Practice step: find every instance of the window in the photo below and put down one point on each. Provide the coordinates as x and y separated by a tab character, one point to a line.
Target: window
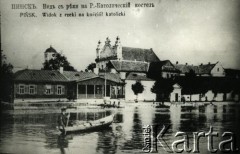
218	69
48	89
60	90
98	89
81	89
32	89
90	89
21	89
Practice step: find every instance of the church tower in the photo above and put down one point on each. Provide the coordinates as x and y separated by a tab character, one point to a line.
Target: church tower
118	48
98	50
50	53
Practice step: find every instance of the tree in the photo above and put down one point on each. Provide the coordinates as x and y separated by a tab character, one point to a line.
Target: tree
191	86
90	67
162	88
6	80
137	89
59	61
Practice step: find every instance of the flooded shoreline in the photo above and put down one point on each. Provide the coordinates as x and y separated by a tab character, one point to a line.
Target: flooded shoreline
25	130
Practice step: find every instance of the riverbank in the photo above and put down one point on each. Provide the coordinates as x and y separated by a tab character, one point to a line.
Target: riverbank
33	104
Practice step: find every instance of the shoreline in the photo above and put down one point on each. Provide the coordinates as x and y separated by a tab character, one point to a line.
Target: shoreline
58	104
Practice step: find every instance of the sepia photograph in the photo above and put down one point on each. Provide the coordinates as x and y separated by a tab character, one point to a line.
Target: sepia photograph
116	77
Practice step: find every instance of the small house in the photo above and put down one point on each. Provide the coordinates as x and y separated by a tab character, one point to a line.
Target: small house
41	84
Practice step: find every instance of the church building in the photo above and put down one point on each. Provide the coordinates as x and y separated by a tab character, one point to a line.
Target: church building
131	64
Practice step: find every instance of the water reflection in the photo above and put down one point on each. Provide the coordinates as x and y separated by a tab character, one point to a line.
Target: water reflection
35	132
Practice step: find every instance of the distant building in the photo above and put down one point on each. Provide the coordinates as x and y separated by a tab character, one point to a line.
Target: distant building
209	69
162	69
207	88
176	94
50	53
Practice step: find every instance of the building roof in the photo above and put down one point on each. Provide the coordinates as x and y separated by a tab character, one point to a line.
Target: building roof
56	76
129	66
134	76
74	76
39	76
81	76
158	66
111	77
200	69
205	69
139	54
186	68
51	49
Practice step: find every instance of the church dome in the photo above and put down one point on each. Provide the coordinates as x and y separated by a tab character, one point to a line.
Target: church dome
51	49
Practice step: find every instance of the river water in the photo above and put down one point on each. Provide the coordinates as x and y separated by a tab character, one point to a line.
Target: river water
32	131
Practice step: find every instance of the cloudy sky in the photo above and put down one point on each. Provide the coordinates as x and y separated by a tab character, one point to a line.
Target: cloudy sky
188	31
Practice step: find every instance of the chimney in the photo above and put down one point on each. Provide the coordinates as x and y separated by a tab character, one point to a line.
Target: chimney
123	75
186	63
201	64
209	63
176	62
96	70
61	70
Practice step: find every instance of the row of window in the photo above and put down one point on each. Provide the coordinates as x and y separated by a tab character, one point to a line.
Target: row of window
99	89
32	89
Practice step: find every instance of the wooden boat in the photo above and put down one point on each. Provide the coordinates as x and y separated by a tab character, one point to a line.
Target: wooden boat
79	126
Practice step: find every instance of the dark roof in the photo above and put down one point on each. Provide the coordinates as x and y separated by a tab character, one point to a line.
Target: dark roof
186	68
134	76
139	54
129	66
111	77
73	76
51	49
56	76
201	69
81	76
39	76
157	66
206	69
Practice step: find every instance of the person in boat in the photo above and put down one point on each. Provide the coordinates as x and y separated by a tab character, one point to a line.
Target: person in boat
63	119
